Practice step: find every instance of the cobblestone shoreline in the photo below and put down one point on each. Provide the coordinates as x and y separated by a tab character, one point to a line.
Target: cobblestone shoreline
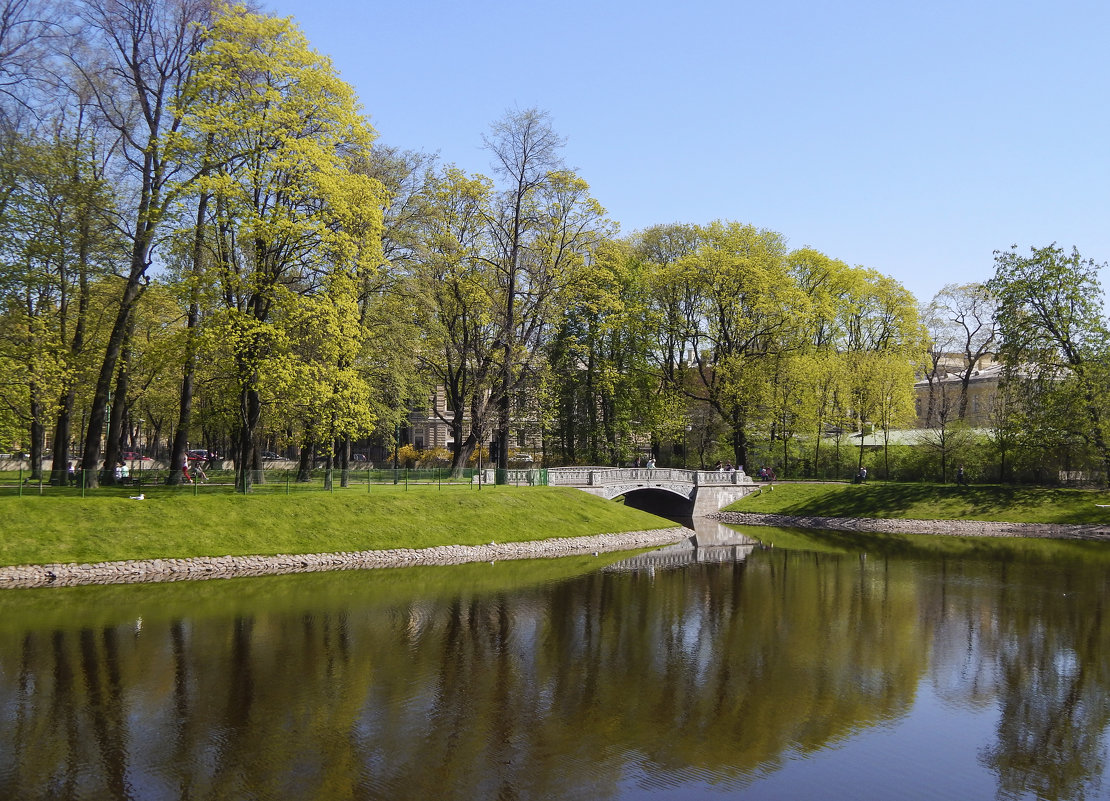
951	528
208	567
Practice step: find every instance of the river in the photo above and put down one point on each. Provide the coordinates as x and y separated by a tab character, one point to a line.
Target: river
829	666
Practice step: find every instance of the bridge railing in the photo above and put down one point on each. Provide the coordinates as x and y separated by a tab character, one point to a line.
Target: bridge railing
569	476
600	476
713	478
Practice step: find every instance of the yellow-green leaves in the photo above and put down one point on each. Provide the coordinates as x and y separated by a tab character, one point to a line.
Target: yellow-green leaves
296	221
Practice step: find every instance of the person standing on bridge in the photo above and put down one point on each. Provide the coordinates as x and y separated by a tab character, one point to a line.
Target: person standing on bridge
651	463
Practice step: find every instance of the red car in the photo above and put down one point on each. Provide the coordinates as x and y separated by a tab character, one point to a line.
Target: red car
134	456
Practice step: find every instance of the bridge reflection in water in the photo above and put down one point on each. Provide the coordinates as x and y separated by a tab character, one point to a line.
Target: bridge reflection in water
712	543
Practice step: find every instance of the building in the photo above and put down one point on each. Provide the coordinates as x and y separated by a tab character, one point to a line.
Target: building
938	400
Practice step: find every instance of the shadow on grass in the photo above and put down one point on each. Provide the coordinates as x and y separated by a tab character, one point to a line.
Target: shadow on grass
929	501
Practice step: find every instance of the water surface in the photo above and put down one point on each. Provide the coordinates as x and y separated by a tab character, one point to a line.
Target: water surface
824	667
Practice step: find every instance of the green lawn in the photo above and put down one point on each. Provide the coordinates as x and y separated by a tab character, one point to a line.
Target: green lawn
46	529
931	501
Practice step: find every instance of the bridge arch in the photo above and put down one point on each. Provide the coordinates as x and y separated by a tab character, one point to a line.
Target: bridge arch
611	491
662	501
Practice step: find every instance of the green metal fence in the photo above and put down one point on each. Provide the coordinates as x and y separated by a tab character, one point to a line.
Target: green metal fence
270	481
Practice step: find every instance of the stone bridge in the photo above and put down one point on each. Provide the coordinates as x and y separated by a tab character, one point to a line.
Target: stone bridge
705	491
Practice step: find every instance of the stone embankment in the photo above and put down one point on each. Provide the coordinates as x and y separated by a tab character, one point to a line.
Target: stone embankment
952	528
208	567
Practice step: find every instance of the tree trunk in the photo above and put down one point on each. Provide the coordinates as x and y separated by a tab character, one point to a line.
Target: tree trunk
63	430
38	434
817	451
739	442
90	457
59	473
185	407
460	453
304	462
250	410
112	444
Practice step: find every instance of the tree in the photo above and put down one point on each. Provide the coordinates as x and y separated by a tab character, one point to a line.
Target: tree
542	228
967	312
57	215
136	63
882	325
744	307
454	287
1051	324
603	385
29	30
294	206
392	334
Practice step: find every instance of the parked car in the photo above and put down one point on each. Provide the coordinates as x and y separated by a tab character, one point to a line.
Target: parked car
270	456
197	455
134	456
358	457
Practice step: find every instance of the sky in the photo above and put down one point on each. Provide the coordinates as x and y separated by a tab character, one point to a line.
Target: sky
912	138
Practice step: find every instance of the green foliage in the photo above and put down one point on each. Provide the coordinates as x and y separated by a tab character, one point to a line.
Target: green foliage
1054	345
777	345
600	356
297	226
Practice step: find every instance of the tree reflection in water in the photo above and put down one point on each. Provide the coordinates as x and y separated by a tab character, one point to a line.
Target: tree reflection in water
437	683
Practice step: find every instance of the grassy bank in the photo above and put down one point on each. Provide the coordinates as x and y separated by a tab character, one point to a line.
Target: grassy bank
931	502
42	530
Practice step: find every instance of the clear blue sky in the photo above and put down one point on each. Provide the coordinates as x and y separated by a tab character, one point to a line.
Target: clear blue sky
913	138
